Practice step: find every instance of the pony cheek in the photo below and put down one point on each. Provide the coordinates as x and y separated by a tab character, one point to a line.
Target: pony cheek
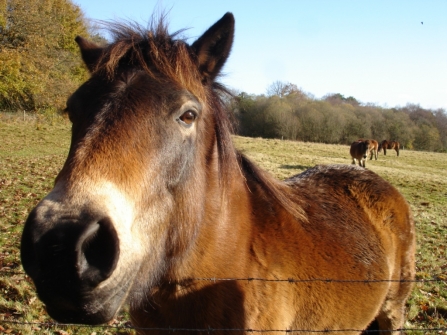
179	161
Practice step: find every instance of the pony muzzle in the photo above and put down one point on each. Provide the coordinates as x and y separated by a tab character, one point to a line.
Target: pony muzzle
68	257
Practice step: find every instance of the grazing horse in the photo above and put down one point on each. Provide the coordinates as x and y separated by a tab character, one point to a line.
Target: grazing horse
389	145
156	208
373	149
359	151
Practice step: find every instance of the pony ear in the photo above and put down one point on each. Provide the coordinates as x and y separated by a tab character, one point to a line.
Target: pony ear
214	46
90	52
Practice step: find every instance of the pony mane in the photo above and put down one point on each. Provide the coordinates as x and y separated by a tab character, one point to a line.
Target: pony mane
279	191
162	55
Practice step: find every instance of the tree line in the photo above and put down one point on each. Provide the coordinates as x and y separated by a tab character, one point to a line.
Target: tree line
287	112
40	67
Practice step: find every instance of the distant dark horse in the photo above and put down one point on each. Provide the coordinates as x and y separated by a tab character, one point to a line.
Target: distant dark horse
359	151
155	206
389	145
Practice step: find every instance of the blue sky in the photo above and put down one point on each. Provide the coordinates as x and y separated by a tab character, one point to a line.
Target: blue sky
376	51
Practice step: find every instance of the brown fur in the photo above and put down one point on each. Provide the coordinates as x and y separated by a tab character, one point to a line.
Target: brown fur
385	144
359	151
169	216
373	149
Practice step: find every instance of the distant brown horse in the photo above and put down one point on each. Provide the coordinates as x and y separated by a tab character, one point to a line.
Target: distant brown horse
359	151
373	149
389	145
154	206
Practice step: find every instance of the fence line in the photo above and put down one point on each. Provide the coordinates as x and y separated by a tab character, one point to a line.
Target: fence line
326	280
210	329
292	280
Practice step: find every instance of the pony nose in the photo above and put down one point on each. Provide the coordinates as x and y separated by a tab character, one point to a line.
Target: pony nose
82	252
97	251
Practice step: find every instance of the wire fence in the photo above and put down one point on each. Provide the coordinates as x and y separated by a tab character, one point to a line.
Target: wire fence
209	330
437	278
442	279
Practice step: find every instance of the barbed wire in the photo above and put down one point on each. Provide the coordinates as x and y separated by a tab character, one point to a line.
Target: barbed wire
210	329
433	278
326	280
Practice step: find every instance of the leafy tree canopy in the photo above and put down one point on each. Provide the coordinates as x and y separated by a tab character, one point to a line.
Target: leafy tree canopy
39	61
338	98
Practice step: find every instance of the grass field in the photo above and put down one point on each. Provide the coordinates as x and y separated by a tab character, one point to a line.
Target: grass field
32	152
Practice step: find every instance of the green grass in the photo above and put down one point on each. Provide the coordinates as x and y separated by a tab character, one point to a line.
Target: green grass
32	152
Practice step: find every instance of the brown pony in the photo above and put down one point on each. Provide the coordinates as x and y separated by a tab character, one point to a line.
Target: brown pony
155	207
359	151
373	149
389	145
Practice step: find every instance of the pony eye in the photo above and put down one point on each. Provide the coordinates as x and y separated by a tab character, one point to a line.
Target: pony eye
188	117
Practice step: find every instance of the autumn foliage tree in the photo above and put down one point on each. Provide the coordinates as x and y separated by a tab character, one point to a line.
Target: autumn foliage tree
39	61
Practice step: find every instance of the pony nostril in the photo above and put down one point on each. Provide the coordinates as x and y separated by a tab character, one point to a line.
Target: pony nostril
98	252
